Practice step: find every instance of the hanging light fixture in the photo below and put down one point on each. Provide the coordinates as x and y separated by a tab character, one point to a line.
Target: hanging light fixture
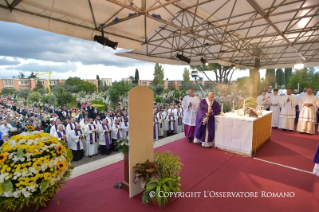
105	41
204	61
299	65
233	66
183	58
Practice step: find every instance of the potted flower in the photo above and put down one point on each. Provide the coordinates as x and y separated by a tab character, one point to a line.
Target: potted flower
33	167
122	145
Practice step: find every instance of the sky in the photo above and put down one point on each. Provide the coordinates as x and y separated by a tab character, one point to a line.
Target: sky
26	49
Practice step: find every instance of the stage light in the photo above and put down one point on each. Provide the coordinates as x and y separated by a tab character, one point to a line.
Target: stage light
204	61
194	73
105	41
299	65
183	58
233	66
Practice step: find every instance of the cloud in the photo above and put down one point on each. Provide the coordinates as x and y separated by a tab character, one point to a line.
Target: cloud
5	62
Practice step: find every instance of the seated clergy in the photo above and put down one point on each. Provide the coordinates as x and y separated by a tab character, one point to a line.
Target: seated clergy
90	132
105	138
61	134
155	127
75	143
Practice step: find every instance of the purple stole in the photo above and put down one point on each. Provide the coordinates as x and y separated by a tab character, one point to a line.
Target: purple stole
97	121
56	127
160	116
60	136
107	142
107	121
179	119
169	124
155	120
78	143
71	126
91	136
118	132
125	124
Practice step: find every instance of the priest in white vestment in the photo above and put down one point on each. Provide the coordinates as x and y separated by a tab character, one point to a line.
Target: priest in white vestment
165	122
70	127
190	105
75	144
263	100
125	126
274	107
179	121
116	131
54	128
171	124
288	111
90	132
307	117
105	138
282	91
155	127
161	119
62	135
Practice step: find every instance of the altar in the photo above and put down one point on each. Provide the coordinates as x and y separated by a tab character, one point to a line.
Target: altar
241	134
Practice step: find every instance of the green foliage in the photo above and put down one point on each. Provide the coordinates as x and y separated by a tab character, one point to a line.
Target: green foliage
270	77
158	75
97	101
280	77
38	86
20	153
158	89
122	145
188	85
52	100
87	86
186	75
8	91
32	75
227	107
137	77
169	162
118	90
6	186
158	99
103	88
82	94
34	96
73	81
307	78
243	86
65	98
21	75
288	73
98	80
44	185
80	84
24	93
254	76
41	91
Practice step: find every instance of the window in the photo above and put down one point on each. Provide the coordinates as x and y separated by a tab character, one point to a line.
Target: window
53	82
8	82
24	82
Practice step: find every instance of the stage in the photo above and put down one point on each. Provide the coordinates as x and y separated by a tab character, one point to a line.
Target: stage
283	164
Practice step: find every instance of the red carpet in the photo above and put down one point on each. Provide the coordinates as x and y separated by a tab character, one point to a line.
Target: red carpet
203	170
290	149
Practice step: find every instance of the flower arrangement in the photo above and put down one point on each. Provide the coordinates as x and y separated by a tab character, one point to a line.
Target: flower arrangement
29	128
160	175
33	167
122	145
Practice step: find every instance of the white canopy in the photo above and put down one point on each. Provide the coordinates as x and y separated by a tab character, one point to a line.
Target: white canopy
245	33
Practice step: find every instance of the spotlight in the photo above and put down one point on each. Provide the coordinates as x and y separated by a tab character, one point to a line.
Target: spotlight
233	66
299	65
183	58
105	41
204	61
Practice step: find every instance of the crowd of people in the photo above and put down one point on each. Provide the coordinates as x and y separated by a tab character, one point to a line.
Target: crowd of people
290	107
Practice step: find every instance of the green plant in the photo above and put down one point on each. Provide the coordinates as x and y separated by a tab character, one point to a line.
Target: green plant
122	145
159	186
227	107
169	162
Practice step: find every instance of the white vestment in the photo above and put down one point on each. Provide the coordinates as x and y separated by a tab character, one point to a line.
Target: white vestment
75	139
317	95
268	95
282	92
274	107
161	120
165	122
296	95
171	119
102	134
92	149
288	112
54	128
69	128
190	112
155	129
262	101
179	122
125	129
307	115
116	133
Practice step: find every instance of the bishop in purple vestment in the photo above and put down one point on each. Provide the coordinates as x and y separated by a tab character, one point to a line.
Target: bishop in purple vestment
205	120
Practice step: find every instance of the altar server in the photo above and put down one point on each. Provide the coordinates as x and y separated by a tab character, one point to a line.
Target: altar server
171	124
179	121
205	120
105	138
288	111
90	132
62	135
75	144
307	117
190	105
125	127
274	107
161	119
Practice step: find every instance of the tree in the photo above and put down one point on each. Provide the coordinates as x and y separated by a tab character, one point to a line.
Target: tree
254	77
288	73
98	80
73	81
87	86
65	98
103	88
270	77
307	78
52	100
38	86
186	74
8	91
34	96
137	77
118	89
188	85
158	89
132	79
280	77
21	75
158	75
41	91
32	75
24	93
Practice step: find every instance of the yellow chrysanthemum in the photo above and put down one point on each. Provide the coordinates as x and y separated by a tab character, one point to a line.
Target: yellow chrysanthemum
61	165
59	149
3	157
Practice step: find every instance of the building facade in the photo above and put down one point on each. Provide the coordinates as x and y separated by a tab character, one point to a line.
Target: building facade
106	81
19	84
